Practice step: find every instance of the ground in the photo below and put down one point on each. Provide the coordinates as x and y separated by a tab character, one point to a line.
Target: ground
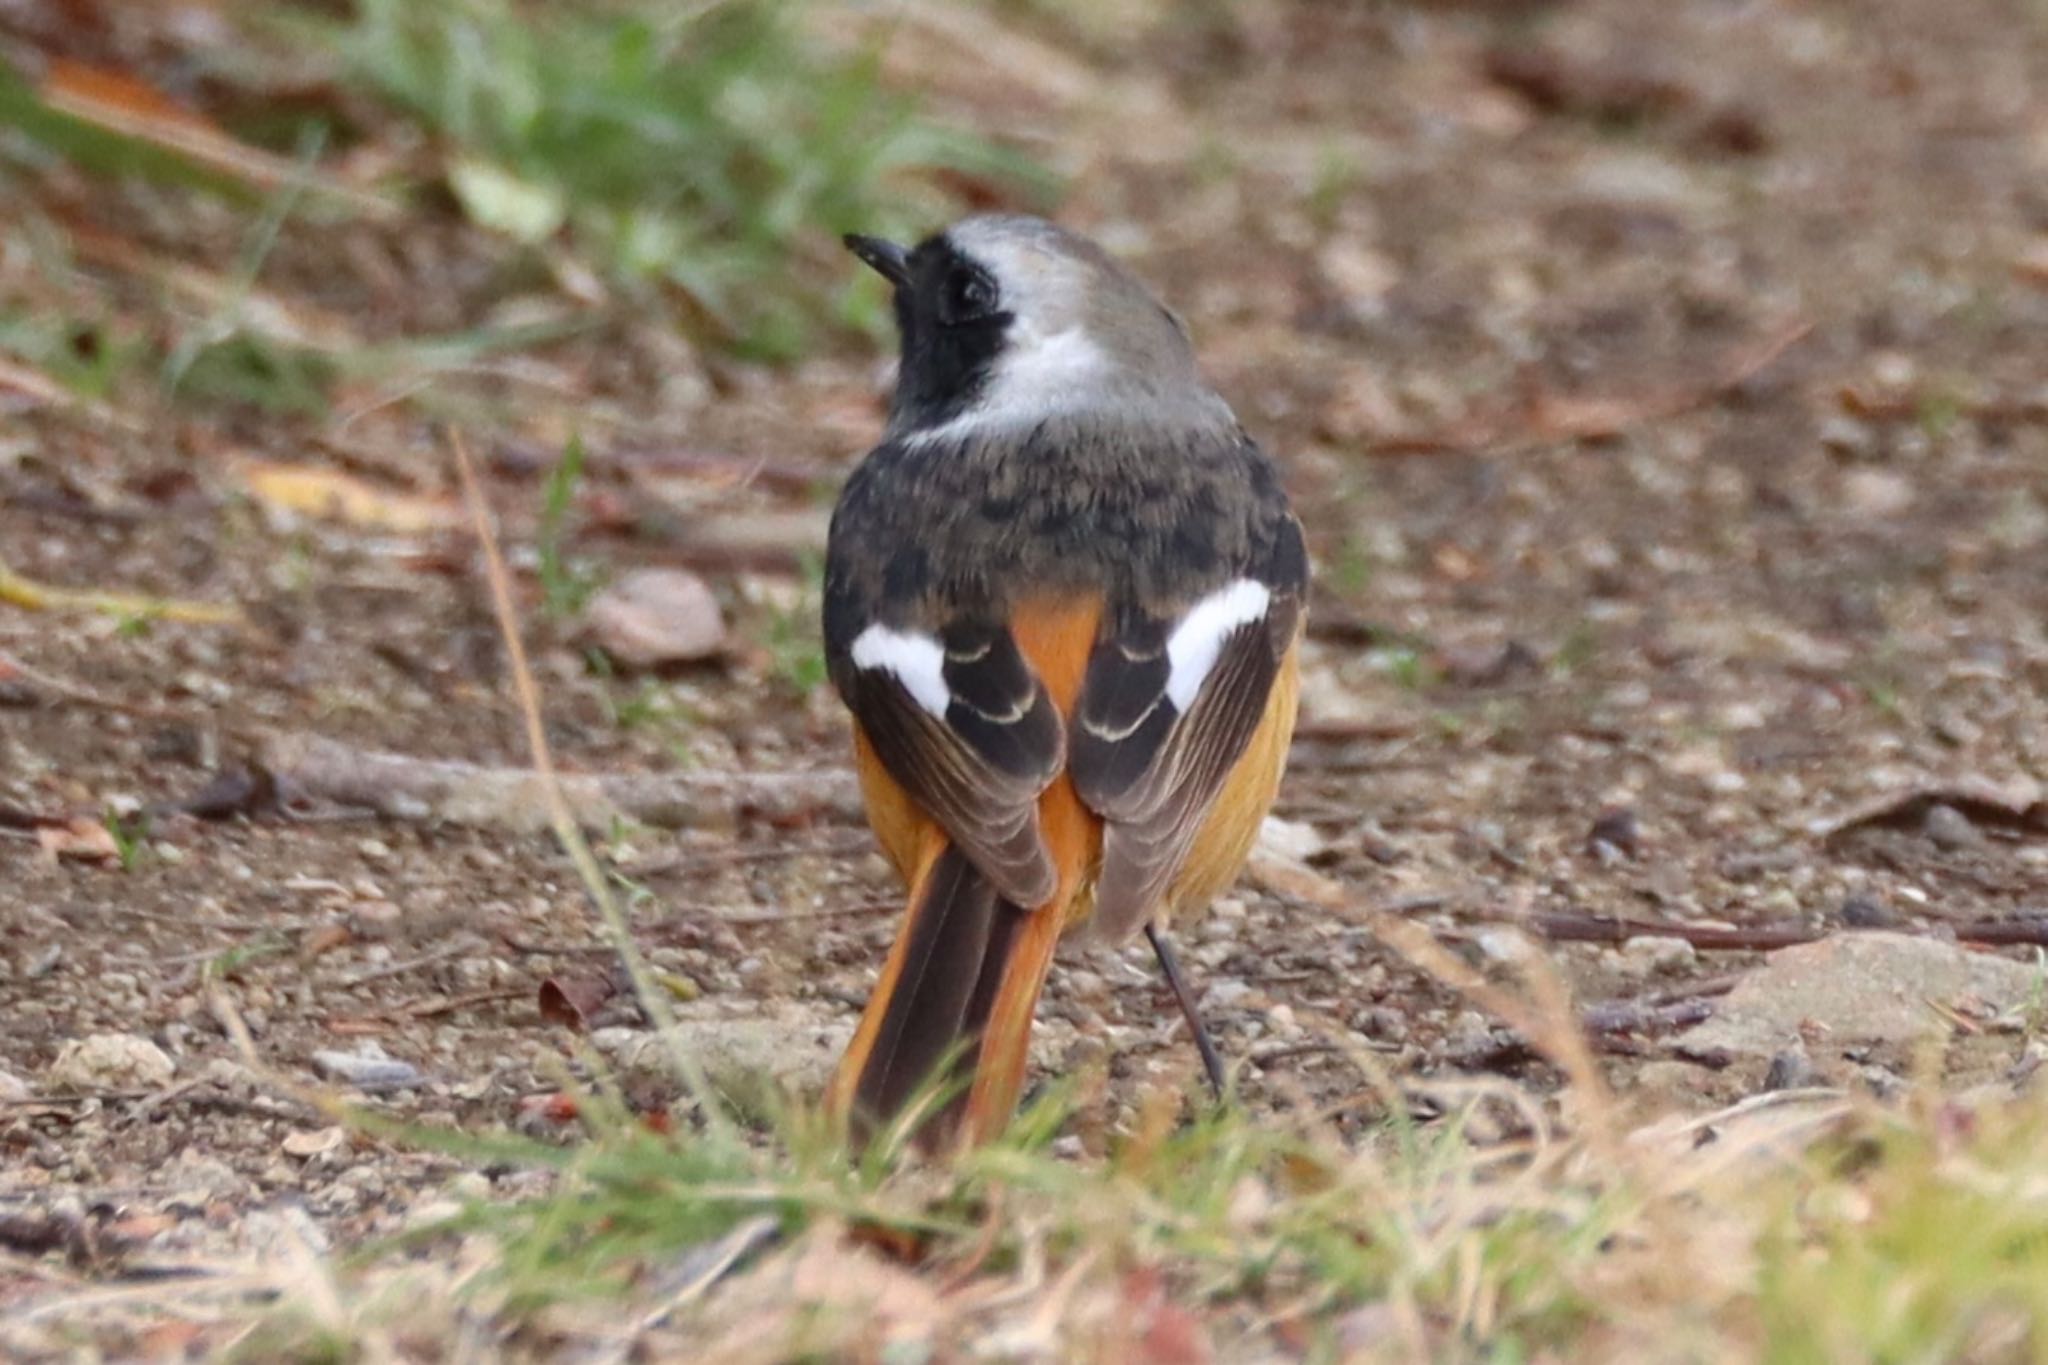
1665	392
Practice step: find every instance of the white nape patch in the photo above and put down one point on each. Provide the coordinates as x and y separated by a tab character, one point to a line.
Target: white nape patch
1192	648
918	661
1037	372
1037	376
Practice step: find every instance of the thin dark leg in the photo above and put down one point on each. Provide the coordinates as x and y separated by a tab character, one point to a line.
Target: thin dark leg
1168	963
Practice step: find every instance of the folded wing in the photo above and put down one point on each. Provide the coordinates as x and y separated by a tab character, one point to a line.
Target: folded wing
1167	708
959	718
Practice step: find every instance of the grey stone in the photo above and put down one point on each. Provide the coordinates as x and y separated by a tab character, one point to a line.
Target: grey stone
652	617
1859	988
110	1061
1791	1069
782	1045
1949	828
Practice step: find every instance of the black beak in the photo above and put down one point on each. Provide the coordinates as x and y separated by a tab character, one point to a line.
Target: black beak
886	259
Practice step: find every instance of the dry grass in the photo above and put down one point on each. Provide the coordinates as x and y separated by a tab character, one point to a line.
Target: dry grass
1796	1227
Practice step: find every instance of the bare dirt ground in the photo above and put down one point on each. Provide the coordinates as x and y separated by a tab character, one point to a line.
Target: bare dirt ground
1664	387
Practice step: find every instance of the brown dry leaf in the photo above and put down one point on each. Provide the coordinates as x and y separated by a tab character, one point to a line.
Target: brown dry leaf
316	491
323	939
73	85
2031	264
1162	1332
172	1340
571	1001
356	1026
133	108
79	840
1557	81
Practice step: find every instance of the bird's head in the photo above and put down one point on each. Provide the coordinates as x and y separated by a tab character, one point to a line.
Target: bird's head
1009	322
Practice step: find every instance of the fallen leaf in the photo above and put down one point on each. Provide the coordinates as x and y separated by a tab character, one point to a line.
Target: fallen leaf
241	790
79	840
1165	1332
73	85
317	491
132	108
172	1340
323	939
2031	265
1558	82
1540	418
571	1000
554	1108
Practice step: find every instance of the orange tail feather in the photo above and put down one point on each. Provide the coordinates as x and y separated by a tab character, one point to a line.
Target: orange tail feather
965	973
962	980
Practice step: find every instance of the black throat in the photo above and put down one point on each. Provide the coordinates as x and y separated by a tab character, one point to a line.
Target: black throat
947	358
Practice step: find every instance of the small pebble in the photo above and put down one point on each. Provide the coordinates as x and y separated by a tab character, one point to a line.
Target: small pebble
1842	435
1948	828
1224	992
1791	1069
1503	945
1660	954
367	1070
1867	912
1616	835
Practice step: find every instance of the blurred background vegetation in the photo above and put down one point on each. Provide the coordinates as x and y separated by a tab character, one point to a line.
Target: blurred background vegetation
691	163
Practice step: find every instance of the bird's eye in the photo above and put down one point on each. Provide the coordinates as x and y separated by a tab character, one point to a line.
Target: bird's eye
970	296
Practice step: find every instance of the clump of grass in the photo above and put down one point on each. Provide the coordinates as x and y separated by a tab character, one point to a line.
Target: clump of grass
33	133
566	586
88	356
130	835
1409	666
791	637
702	149
1787	1228
1918	1239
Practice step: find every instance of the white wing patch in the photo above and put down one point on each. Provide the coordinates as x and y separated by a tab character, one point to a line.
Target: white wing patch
918	661
1192	649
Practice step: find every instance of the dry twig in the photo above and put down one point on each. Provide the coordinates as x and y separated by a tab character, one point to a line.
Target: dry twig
404	787
1564	928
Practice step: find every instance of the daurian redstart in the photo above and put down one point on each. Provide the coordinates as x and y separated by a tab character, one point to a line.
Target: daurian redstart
1062	600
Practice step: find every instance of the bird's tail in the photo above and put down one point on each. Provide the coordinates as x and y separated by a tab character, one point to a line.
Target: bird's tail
959	989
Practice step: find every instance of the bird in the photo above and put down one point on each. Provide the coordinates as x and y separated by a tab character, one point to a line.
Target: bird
1063	601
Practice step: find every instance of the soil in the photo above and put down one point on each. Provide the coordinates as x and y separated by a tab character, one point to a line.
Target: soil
1665	391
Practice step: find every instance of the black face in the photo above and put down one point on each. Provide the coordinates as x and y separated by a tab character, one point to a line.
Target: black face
951	315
